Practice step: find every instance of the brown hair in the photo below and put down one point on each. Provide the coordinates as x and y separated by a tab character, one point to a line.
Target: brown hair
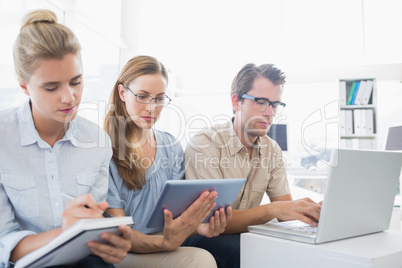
243	81
41	37
121	129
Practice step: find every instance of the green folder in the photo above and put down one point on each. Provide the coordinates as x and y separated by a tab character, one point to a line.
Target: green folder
351	93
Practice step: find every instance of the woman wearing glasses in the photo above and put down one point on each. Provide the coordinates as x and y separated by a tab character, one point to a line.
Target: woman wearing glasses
143	159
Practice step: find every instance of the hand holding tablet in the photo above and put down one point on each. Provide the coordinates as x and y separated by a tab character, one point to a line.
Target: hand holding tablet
178	195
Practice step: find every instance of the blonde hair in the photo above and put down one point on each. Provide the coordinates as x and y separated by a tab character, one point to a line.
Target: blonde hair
41	37
122	130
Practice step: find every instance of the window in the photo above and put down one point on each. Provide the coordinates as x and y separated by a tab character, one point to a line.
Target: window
93	30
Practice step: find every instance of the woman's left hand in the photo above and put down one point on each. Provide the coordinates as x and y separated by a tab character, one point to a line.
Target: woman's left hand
217	223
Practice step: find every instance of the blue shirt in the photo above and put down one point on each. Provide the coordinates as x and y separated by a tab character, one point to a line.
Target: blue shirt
33	174
168	165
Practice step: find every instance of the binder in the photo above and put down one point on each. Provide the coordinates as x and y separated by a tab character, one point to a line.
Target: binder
355	143
351	92
369	121
360	93
366	144
367	92
364	121
349	122
342	93
349	143
352	102
357	122
342	122
342	143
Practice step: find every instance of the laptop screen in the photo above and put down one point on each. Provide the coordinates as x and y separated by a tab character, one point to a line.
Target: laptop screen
394	142
278	132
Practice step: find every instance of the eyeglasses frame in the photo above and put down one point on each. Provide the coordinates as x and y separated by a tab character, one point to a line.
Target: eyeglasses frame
150	98
270	103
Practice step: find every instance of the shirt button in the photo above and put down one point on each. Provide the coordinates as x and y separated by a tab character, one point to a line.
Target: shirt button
57	204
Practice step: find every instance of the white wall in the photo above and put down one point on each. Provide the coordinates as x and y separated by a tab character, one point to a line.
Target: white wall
310	112
205	43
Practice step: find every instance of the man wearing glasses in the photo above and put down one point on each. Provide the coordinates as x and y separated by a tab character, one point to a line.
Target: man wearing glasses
241	148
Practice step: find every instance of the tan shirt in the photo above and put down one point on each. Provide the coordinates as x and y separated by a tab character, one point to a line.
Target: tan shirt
217	153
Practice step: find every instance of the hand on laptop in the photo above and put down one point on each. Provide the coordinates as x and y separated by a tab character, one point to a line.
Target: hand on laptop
305	210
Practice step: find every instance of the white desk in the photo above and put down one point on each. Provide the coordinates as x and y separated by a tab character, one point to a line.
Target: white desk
382	249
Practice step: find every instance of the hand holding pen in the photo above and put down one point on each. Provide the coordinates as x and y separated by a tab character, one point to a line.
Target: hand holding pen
69	197
82	207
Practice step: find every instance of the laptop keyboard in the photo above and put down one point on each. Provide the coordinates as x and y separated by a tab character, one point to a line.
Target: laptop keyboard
306	229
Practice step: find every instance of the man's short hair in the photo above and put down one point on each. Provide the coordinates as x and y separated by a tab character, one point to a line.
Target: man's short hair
243	81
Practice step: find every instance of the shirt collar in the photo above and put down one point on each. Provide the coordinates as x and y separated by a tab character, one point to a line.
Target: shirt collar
29	134
234	141
257	145
71	133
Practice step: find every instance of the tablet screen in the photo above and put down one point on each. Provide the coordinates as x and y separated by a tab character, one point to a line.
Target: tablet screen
178	195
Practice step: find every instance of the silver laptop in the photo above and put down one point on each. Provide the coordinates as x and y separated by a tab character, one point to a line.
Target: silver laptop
358	200
394	143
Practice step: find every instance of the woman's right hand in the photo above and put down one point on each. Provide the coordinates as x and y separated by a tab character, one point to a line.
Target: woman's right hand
177	230
74	211
82	207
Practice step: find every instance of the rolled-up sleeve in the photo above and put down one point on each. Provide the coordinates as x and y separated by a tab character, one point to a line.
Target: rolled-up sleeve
8	243
278	184
10	234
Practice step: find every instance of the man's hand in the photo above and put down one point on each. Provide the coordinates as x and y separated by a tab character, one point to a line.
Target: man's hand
305	210
217	223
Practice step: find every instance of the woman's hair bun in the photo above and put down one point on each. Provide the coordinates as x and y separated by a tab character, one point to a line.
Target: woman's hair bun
37	16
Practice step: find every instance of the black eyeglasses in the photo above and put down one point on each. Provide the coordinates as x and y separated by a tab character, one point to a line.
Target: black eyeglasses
262	104
145	99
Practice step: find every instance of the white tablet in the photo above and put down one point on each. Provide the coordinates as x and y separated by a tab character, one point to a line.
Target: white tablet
178	195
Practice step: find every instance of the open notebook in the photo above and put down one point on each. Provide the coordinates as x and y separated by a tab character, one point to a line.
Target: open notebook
71	245
358	200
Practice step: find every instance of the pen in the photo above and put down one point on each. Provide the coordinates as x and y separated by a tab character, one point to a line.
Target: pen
69	197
